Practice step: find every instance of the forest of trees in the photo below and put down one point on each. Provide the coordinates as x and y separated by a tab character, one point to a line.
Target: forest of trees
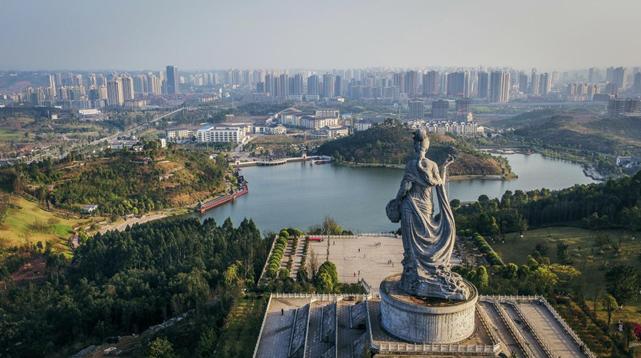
122	282
391	143
613	204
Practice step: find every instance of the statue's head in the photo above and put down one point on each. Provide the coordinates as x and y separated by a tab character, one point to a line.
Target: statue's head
421	141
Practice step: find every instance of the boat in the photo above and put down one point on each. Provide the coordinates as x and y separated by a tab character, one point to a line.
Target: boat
221	200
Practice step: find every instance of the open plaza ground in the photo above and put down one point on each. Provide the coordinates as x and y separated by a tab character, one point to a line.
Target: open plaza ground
368	258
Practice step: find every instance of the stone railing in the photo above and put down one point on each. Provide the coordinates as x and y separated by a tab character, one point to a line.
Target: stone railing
510	298
262	326
568	330
321	296
389	347
356	236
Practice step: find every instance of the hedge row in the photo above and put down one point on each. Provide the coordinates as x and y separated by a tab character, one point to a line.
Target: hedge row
273	264
492	257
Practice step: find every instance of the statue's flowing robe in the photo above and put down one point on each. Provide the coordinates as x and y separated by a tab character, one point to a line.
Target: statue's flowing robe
428	243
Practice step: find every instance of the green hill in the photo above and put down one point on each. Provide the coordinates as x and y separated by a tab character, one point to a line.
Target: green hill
121	182
390	143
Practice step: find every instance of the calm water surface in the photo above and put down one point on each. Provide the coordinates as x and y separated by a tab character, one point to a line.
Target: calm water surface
301	195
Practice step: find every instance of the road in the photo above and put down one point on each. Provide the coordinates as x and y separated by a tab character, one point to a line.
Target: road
136	128
130	131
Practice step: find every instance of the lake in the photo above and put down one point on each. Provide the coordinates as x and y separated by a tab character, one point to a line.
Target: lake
301	195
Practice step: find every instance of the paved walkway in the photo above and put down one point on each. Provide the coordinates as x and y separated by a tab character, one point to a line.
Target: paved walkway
550	331
277	330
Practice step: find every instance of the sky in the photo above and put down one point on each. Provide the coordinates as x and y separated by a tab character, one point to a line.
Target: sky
320	34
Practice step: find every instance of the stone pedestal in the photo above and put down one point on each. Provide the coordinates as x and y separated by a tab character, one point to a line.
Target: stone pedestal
417	321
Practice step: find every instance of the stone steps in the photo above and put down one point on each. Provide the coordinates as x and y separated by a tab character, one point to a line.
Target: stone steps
298	257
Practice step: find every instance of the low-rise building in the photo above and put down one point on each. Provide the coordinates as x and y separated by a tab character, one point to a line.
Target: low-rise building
362	126
276	130
213	134
179	134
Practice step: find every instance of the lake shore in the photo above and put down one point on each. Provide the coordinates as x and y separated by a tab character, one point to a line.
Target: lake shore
449	177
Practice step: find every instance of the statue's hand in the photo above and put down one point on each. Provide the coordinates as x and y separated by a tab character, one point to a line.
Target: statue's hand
448	161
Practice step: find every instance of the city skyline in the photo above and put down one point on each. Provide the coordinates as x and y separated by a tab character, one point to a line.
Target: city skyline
287	34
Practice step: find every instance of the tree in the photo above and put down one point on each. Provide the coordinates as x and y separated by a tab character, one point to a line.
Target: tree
562	252
610	304
331	227
327	277
160	348
206	343
483	277
487	225
623	282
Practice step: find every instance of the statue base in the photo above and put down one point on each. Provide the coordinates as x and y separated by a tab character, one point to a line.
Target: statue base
417	320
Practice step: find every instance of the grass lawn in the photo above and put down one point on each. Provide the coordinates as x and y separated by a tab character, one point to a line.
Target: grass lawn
591	252
27	223
241	328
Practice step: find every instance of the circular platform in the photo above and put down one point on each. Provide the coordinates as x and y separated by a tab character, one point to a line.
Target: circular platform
418	321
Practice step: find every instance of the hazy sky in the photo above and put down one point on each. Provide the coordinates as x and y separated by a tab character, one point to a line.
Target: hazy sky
322	34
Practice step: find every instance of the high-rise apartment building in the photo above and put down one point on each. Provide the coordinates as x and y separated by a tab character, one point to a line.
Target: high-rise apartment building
52	86
270	84
523	83
155	84
115	95
282	86
637	83
171	80
458	84
431	81
535	83
483	84
127	88
338	86
329	86
618	77
545	84
297	85
499	86
411	83
398	80
313	85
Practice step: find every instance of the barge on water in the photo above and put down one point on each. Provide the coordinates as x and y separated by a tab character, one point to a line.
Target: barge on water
224	199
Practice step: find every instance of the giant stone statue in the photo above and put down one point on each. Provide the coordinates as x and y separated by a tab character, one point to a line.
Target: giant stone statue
427	242
427	302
